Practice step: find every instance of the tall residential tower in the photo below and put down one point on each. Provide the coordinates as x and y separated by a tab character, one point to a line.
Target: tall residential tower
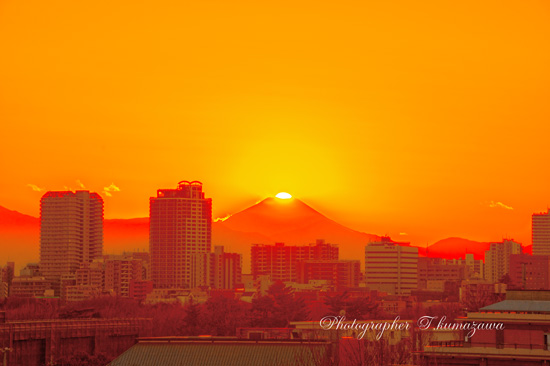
497	259
541	233
180	225
71	232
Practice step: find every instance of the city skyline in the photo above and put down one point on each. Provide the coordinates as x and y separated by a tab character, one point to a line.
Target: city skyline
260	223
287	285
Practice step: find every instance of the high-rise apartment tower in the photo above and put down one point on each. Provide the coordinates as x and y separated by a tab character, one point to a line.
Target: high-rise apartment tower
541	233
71	232
180	226
497	259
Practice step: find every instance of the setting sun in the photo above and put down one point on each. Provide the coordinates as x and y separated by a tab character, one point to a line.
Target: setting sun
283	195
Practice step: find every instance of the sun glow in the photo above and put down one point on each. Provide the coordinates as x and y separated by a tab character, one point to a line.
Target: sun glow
283	195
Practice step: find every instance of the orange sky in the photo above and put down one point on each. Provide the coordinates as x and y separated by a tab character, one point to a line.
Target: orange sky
389	116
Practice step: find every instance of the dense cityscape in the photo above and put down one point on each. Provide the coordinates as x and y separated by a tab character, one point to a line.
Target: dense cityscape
81	306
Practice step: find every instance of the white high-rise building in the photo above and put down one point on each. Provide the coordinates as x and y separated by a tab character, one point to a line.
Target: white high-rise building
541	233
71	232
391	267
180	226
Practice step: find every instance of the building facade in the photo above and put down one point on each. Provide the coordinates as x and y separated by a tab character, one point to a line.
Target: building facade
476	267
29	287
120	271
341	274
71	232
391	267
6	277
522	340
140	289
476	293
180	226
280	261
438	269
218	270
48	342
30	270
530	272
541	233
497	259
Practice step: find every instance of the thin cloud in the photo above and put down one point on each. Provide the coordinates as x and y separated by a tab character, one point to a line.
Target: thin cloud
222	219
108	190
403	234
35	188
494	204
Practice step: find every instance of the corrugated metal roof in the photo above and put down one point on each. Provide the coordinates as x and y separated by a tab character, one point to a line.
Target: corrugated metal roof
228	353
520	305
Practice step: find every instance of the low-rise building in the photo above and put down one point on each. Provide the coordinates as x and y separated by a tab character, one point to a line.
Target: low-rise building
530	272
43	342
29	287
140	289
81	292
513	332
475	294
438	269
341	274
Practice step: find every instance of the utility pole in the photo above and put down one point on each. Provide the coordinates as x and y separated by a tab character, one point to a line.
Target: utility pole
51	363
5	351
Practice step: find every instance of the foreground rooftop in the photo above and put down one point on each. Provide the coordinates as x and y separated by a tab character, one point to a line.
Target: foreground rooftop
229	351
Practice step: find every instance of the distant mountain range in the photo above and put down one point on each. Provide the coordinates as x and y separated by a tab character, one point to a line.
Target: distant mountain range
455	248
269	221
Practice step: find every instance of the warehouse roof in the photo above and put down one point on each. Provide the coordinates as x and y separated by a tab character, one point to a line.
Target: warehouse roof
206	351
530	306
